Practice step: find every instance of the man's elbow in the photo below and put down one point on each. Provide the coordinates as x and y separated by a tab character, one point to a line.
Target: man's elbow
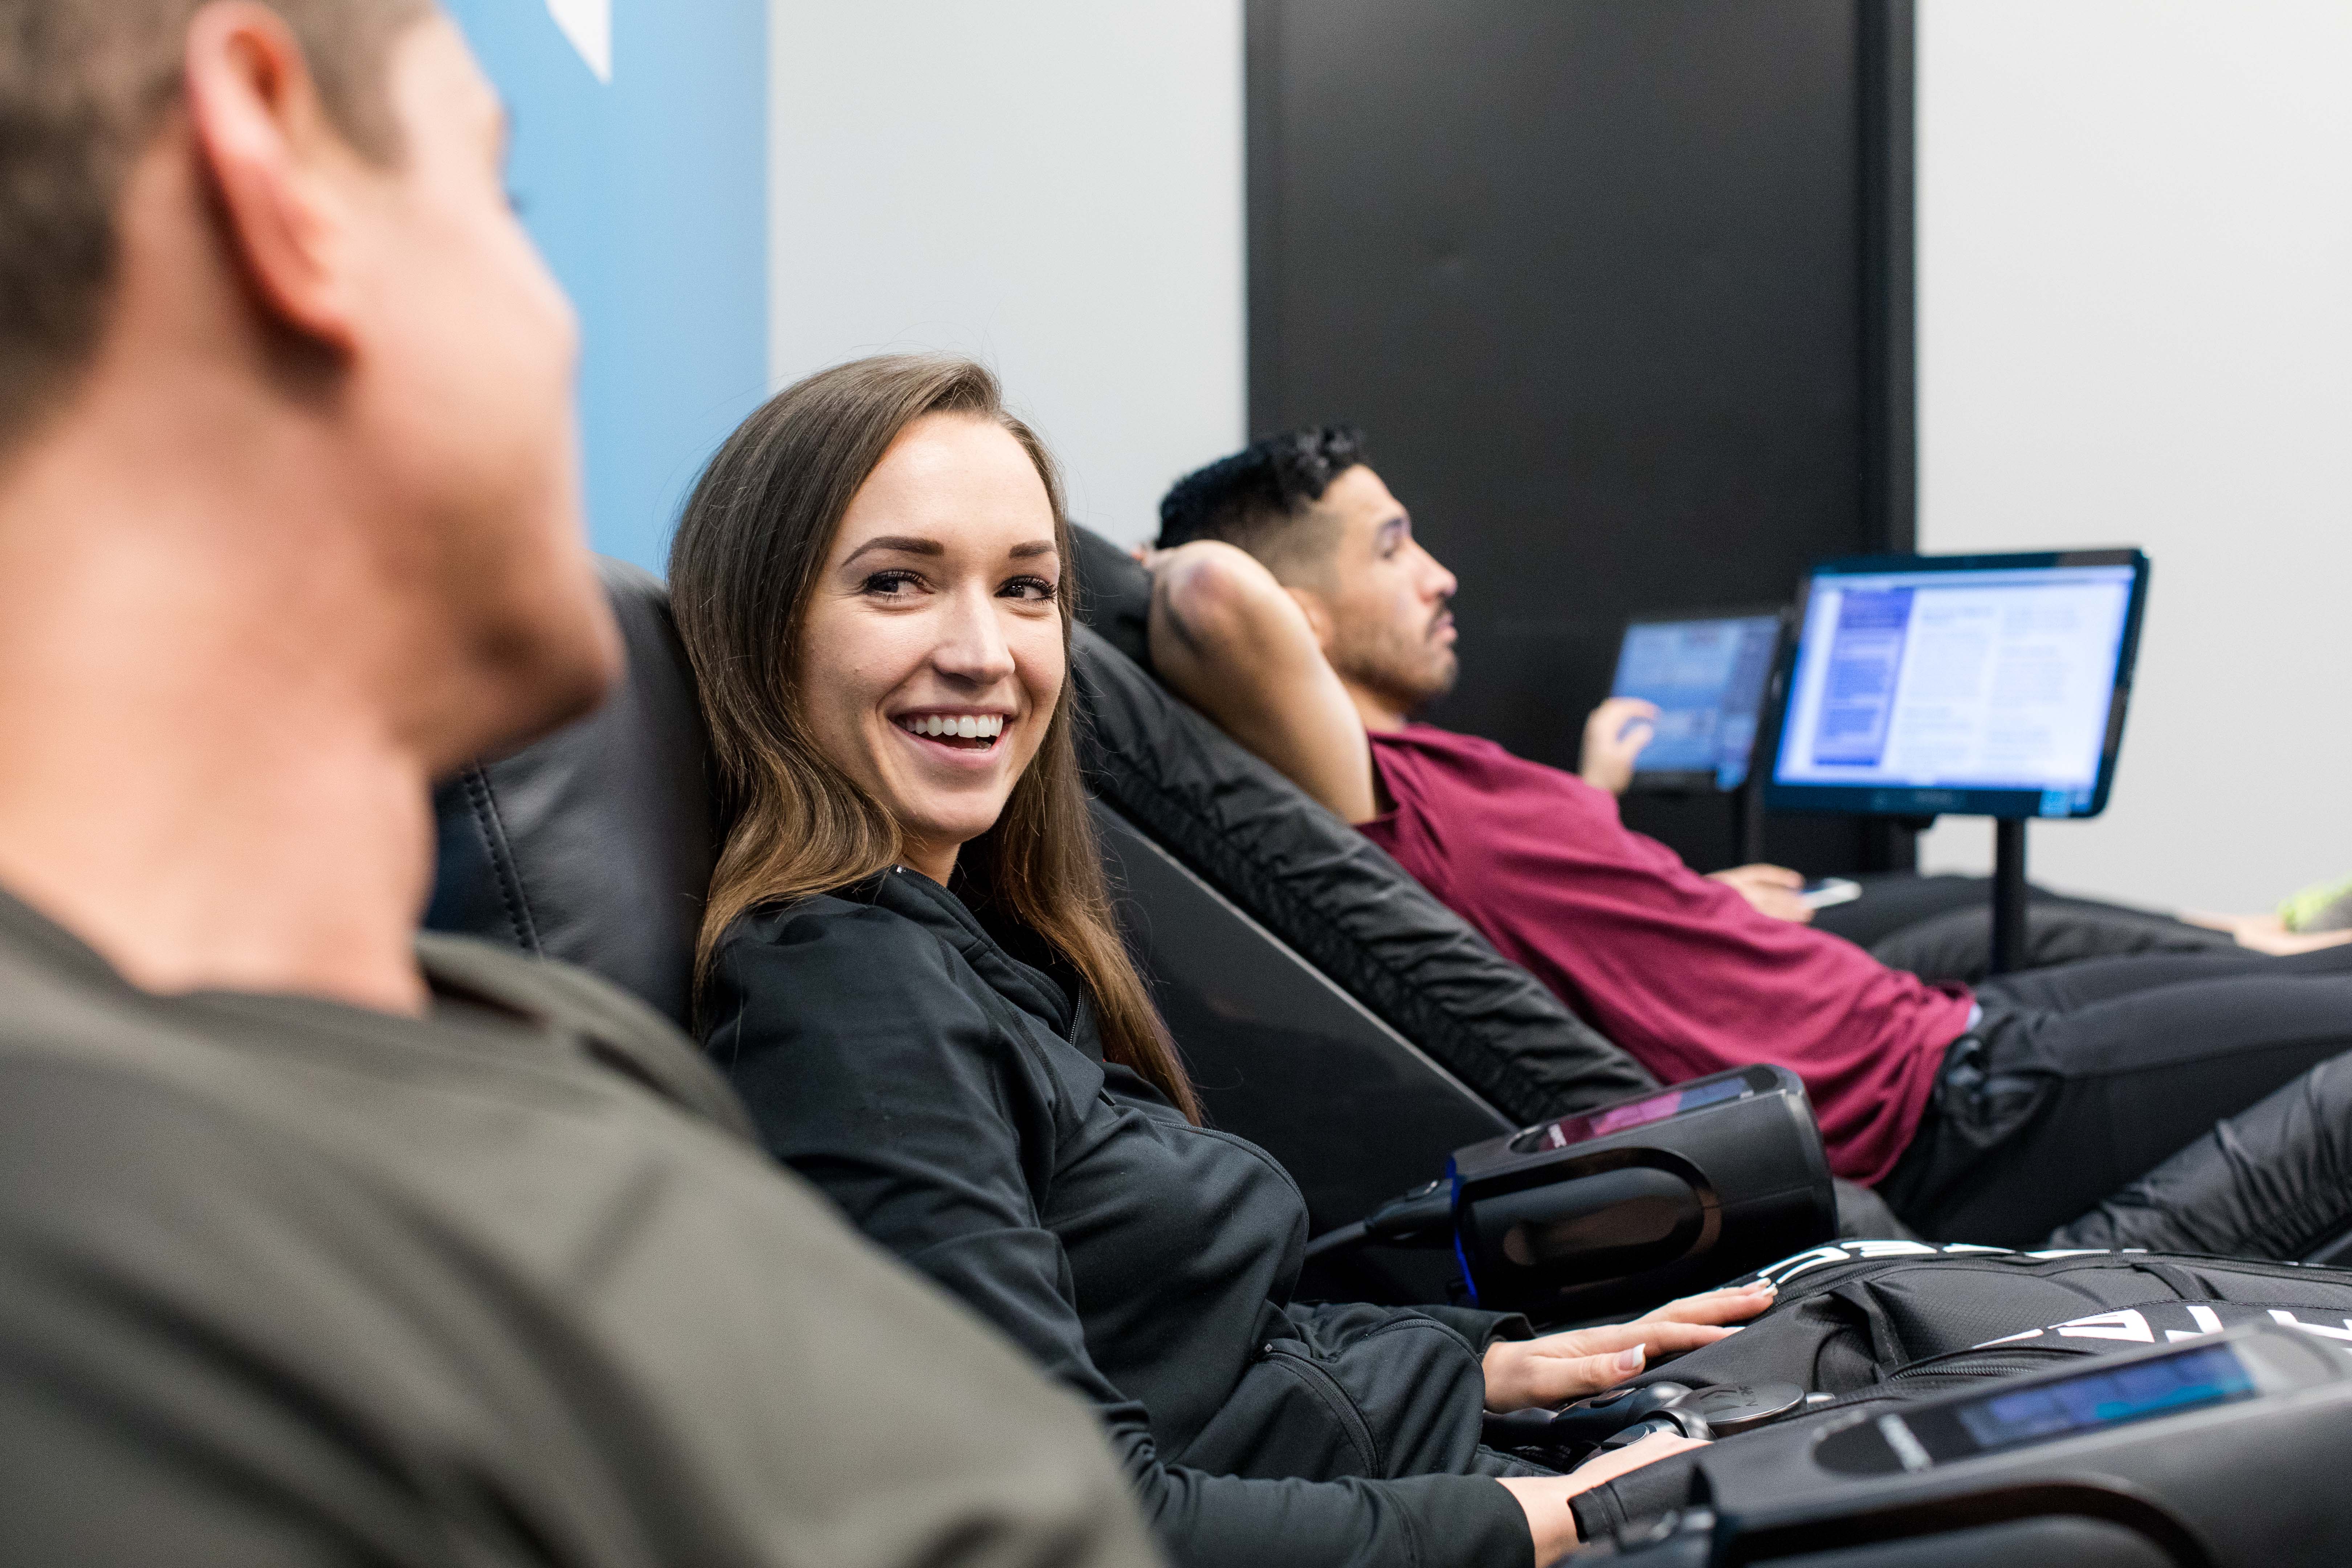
1213	595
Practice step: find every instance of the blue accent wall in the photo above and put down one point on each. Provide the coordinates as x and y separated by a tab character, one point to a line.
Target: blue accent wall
649	197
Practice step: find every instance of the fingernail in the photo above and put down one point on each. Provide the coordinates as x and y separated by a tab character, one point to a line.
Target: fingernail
1630	1360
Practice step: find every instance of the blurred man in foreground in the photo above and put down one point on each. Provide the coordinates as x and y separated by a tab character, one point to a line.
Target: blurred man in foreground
319	1243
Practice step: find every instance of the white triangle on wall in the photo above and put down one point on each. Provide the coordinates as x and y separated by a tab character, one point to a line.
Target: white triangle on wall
589	25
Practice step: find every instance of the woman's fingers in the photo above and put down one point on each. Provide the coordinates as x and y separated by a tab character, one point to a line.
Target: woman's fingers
1551	1521
1560	1367
1662	1339
1557	1379
1656	1336
1598	1359
1607	1466
1735	1306
1570	1366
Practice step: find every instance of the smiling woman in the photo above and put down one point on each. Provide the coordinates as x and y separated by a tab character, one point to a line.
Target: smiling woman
912	974
880	550
934	638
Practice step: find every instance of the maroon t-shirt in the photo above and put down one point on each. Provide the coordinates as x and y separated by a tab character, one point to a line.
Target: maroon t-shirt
1676	968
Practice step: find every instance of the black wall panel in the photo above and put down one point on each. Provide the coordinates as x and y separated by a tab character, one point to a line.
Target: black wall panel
1618	290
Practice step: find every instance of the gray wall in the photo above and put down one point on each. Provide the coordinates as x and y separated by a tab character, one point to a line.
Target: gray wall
1054	186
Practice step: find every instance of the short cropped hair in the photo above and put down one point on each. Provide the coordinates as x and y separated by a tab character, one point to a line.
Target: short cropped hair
1259	497
84	86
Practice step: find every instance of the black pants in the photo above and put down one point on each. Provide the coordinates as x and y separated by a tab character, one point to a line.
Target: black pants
2083	1079
2274	1182
1940	928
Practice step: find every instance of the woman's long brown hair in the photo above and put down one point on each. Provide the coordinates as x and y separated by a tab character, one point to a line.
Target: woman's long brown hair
750	548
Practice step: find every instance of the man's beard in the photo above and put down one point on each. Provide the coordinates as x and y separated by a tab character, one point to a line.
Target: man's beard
1407	676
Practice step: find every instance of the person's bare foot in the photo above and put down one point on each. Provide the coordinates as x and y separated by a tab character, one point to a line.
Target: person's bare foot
2266	934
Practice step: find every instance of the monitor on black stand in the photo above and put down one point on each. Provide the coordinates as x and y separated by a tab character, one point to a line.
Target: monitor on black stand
1992	686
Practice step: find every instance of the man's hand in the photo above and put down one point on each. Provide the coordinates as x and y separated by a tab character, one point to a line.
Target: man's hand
1557	1368
1613	736
1544	1499
1772	890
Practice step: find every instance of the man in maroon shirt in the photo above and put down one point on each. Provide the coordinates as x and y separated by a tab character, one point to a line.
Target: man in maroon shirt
1293	606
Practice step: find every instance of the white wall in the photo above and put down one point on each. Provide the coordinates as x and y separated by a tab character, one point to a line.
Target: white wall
2135	327
1054	187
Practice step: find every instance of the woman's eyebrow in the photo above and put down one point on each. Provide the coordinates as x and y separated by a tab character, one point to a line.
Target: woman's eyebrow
1034	547
899	543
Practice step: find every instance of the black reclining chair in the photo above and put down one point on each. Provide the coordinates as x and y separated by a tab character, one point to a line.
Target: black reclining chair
1329	1008
595	845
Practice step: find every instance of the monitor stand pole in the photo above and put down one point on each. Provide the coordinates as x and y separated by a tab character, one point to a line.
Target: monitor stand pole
1747	823
2008	893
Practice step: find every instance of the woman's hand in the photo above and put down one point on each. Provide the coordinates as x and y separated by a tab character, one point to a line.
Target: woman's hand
1544	1499
1560	1367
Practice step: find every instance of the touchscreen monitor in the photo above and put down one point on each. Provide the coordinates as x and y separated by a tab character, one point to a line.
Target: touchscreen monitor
1708	677
1979	685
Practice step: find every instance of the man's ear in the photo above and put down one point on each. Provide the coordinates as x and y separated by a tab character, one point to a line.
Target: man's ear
264	139
1319	615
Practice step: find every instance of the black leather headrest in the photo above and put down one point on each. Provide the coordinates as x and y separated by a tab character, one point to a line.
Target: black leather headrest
595	843
1114	595
1315	882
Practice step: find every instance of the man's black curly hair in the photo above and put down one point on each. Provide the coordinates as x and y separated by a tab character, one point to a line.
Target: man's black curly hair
1251	498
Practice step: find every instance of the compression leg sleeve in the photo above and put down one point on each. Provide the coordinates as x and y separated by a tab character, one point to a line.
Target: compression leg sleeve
2272	1182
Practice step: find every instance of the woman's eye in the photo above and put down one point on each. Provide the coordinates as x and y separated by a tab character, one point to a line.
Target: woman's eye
1033	589
886	585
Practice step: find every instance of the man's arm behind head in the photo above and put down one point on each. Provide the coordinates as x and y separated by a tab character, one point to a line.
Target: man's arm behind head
1237	644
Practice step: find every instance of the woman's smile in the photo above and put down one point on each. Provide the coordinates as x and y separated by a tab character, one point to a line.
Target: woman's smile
963	738
931	660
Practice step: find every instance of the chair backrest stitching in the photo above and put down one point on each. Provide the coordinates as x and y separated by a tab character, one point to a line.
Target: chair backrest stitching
484	802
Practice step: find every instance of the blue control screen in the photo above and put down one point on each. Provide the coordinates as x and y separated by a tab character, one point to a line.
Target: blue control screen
1707	678
2212	1375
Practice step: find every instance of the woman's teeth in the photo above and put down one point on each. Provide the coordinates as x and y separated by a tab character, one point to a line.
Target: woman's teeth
961	727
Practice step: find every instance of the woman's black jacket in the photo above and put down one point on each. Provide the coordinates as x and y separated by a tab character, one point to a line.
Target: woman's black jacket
955	1102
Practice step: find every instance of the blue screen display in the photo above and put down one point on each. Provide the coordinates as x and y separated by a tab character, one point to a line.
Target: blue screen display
1707	678
2192	1379
2000	678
